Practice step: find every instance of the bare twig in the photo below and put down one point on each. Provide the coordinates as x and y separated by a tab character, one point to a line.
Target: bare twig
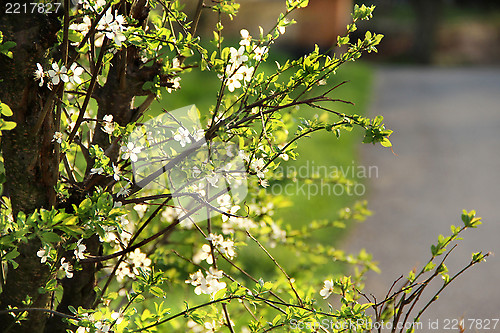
277	265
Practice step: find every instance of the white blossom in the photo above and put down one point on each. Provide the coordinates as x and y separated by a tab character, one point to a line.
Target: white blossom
39	74
264	183
246	39
258	165
139	260
243	155
175	84
80	248
194	327
57	74
117	317
204	253
211	326
108	125
282	28
102	327
213	179
176	63
277	235
327	289
214	273
283	155
83	27
246	72
116	172
68	269
74	73
169	214
233	82
43	254
215	239
113	27
260	52
199	134
98	4
182	135
141	209
195	171
99	171
57	137
231	211
207	285
124	191
123	271
224	201
237	56
226	247
239	223
130	151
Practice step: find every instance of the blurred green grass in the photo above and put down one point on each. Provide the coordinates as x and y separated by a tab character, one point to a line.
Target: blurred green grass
322	148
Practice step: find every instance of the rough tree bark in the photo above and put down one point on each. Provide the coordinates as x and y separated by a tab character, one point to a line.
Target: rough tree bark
30	165
31	160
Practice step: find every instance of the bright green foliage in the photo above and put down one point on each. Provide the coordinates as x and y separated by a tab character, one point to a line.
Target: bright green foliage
6	112
163	269
6	46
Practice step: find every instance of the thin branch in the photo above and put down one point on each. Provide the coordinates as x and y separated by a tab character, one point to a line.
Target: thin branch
185	312
196	18
278	265
21	310
167	229
93	81
472	263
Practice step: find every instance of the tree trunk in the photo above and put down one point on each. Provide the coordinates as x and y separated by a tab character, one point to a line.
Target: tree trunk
31	164
428	15
29	161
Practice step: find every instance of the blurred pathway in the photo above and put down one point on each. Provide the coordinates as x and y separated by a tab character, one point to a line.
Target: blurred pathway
447	138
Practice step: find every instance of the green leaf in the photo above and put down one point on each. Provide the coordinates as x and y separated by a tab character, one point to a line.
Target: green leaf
157	291
386	143
6	125
4	48
50	237
478	257
220	294
85	205
70	221
434	250
11	255
5	110
430	266
442	269
377	121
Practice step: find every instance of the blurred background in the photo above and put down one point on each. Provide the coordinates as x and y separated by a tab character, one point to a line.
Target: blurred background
444	32
436	80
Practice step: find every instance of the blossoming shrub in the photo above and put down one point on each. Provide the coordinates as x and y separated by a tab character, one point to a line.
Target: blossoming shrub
114	219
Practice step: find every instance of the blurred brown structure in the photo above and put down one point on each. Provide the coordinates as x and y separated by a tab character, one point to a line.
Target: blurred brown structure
428	14
443	32
320	23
